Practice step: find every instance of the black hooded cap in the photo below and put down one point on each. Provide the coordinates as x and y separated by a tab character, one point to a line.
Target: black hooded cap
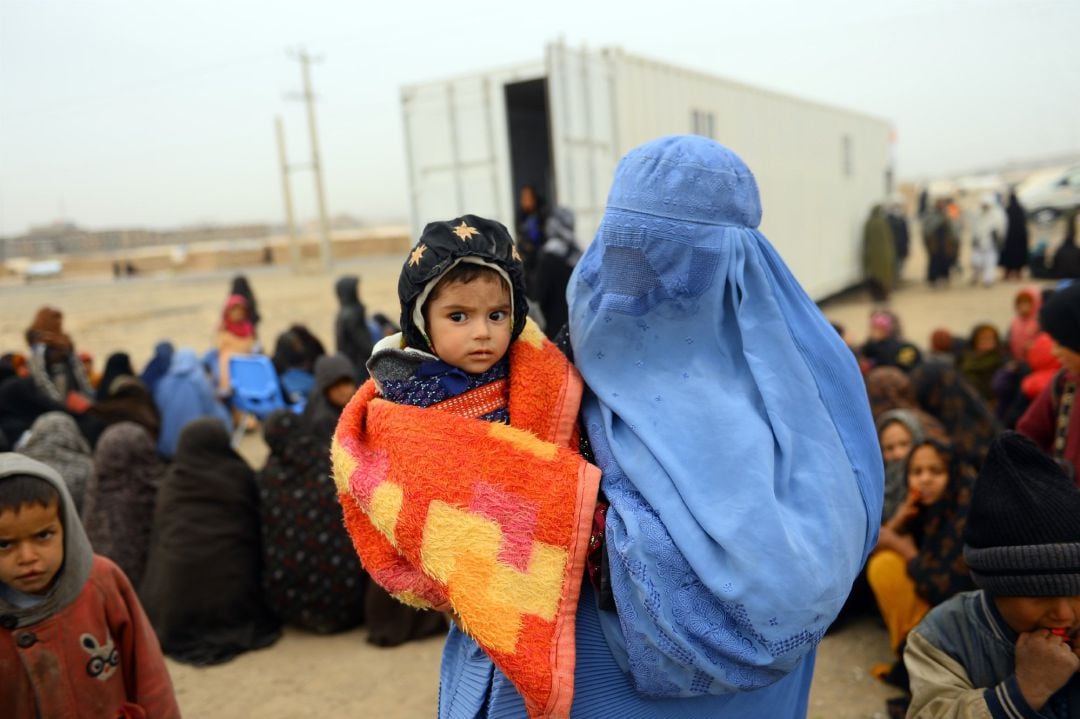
443	245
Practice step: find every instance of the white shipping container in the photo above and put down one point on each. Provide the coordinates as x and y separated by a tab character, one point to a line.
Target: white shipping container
561	126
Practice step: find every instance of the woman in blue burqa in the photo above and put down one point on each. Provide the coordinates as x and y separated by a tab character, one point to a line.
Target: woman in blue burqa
739	459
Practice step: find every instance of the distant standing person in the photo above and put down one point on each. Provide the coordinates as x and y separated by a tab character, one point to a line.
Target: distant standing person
901	238
351	334
530	229
942	243
987	236
1014	255
558	257
1066	263
879	255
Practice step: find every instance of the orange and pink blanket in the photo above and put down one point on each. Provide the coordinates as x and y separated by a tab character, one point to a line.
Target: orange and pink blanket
487	521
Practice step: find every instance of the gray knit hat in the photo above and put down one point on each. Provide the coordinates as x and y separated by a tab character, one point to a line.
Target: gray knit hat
1022	536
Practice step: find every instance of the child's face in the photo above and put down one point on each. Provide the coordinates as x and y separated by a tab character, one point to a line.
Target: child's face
341	392
928	473
31	547
895	441
1027	614
1024	307
1069	359
469	324
237	313
986	340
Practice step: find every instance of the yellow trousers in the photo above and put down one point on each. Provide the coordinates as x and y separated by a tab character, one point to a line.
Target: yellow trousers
901	606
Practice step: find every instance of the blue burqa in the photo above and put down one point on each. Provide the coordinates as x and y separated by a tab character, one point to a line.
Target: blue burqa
739	457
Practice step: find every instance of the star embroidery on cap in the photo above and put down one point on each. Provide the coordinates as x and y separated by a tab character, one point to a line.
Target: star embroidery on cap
465	232
514	253
414	258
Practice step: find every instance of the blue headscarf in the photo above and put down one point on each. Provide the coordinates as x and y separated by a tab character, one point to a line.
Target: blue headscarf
732	426
158	364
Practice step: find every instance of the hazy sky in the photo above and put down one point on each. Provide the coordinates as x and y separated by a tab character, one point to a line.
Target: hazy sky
150	113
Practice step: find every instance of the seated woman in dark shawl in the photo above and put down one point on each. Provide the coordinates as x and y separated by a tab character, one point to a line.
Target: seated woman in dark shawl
116	366
128	400
944	393
919	561
119	507
203	584
312	577
55	366
295	353
983	357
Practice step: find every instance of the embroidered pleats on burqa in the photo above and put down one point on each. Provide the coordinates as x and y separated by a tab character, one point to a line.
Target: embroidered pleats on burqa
203	584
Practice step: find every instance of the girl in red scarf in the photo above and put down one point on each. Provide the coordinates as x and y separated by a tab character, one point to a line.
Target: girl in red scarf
236	335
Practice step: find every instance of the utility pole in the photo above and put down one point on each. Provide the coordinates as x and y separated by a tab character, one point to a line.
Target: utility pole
305	61
294	247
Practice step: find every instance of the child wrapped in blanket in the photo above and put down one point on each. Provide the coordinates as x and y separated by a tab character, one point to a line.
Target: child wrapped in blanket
456	464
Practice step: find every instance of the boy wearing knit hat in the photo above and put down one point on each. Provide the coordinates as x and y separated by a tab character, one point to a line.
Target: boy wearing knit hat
1052	420
1009	649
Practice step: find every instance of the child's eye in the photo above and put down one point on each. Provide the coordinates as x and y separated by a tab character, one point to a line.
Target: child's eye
498	315
4	544
47	534
457	316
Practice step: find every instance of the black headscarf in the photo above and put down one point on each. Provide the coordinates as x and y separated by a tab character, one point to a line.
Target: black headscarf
116	366
944	393
351	334
312	576
203	584
297	348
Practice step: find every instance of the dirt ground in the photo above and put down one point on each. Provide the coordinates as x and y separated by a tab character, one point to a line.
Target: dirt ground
338	676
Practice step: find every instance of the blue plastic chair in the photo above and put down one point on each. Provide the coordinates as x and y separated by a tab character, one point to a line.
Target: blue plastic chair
297	384
255	389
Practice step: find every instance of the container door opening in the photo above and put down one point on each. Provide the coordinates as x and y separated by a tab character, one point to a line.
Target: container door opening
529	135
